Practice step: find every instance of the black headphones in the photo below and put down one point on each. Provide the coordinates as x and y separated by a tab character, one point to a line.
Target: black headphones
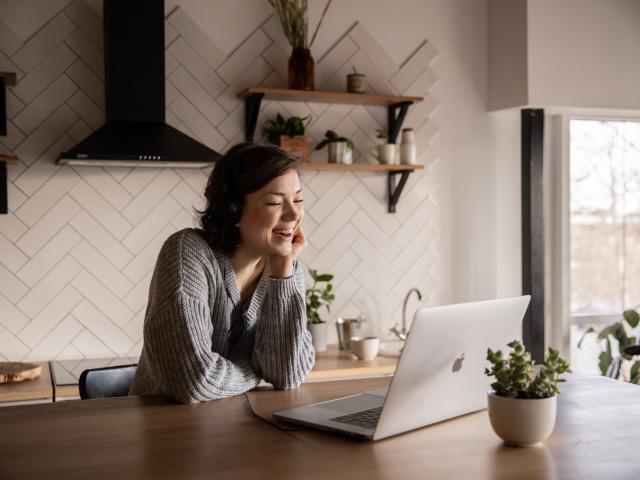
230	208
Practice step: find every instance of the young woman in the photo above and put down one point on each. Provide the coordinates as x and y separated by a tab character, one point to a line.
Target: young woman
227	302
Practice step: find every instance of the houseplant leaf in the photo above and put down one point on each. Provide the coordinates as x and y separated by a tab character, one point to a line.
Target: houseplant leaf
632	318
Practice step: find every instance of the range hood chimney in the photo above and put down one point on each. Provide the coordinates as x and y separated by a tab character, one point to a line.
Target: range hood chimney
135	133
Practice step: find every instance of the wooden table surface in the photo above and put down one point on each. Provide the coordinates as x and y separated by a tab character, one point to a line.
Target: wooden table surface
151	437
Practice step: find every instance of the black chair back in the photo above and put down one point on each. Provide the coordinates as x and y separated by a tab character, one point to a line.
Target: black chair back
107	382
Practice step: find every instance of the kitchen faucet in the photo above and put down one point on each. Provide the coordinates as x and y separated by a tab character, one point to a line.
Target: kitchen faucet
402	334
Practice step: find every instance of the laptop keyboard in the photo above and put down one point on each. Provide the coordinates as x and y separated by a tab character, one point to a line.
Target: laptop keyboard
364	418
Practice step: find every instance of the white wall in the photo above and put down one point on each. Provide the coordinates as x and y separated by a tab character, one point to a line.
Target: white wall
78	245
584	53
564	53
507	53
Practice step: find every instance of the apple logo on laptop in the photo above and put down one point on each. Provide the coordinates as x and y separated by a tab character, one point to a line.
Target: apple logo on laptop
457	365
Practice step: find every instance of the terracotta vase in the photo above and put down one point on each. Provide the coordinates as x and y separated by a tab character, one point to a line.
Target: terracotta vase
301	69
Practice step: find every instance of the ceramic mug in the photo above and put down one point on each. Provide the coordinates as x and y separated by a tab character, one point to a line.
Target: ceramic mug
385	153
365	348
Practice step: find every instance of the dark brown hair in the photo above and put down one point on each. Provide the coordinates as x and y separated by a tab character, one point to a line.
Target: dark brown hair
245	168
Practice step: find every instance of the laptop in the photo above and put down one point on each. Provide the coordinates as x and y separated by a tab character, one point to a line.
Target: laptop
440	373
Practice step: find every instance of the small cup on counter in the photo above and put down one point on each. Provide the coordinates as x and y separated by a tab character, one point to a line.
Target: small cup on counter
365	348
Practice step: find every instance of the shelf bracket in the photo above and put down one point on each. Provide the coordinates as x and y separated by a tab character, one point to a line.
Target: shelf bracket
396	191
251	110
395	116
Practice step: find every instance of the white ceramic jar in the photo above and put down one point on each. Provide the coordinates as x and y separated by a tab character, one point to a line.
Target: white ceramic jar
522	422
408	147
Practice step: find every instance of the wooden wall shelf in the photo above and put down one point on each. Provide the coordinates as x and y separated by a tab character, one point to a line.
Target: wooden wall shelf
326	96
8	159
397	107
359	167
8	77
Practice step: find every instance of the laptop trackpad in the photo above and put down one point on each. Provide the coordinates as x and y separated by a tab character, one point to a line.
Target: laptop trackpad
354	403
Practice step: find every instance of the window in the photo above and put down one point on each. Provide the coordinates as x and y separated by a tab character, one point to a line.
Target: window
604	225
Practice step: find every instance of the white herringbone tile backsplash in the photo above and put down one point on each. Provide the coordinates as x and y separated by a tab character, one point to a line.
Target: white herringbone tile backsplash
79	244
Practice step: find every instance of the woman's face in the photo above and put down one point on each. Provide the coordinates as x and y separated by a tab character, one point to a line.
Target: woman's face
271	215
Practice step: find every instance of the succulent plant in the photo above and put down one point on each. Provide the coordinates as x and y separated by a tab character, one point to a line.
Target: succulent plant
517	377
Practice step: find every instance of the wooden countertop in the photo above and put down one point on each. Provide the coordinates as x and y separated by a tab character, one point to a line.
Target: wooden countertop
29	390
333	364
152	437
336	364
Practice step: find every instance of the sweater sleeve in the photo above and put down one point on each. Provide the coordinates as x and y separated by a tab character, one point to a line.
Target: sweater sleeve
283	353
177	340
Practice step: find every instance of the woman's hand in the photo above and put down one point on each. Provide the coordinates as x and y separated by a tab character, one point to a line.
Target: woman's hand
281	266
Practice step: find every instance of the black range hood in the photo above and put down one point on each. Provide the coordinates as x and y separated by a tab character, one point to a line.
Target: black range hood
135	133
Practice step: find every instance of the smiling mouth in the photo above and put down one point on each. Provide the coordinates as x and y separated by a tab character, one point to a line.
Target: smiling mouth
284	234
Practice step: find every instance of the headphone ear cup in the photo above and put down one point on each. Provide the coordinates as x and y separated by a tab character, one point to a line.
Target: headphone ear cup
232	211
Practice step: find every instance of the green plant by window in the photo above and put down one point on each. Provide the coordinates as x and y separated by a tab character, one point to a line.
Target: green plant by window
290	127
617	336
318	297
515	376
331	137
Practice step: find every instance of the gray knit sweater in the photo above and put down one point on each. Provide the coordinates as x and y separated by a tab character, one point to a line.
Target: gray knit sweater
201	343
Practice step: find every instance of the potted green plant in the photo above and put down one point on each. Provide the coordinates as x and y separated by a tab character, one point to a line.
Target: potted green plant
289	134
617	337
295	24
384	152
523	400
318	296
381	136
340	149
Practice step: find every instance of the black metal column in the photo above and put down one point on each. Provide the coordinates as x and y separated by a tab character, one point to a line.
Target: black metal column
532	129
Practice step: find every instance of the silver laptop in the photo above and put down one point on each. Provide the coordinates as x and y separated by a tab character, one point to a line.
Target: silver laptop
440	374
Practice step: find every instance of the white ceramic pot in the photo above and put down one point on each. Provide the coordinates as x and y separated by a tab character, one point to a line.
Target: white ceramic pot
385	153
318	336
522	422
339	152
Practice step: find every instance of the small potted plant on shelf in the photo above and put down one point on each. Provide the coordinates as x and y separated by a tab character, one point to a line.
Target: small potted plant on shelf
318	297
340	149
381	136
385	152
289	134
523	402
